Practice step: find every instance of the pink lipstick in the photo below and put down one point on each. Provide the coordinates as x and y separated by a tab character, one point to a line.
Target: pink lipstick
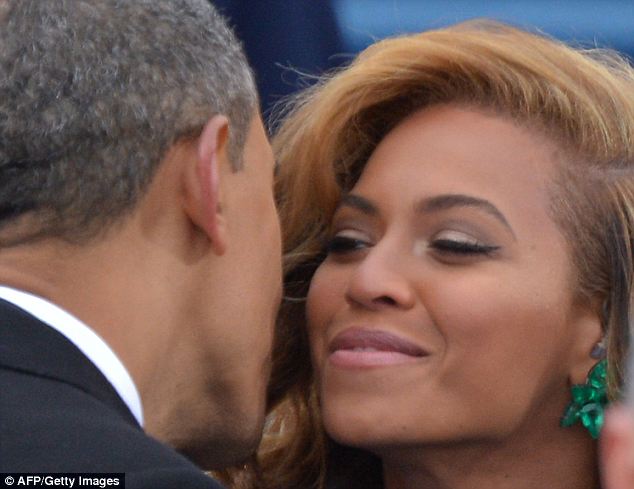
359	347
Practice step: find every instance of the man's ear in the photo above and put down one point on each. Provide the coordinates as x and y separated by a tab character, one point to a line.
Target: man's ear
203	194
617	449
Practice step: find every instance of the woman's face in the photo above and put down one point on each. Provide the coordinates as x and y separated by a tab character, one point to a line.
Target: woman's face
444	310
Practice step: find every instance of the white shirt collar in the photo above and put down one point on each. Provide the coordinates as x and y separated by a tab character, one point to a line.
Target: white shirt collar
84	338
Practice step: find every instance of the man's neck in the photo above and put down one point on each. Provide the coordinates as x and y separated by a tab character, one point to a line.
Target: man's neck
83	281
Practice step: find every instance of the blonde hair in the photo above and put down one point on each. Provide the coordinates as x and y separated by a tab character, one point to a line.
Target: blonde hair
583	100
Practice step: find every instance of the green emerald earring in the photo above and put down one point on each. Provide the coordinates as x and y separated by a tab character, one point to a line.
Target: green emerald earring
589	401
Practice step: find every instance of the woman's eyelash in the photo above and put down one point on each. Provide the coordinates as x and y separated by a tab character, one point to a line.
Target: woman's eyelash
344	244
462	247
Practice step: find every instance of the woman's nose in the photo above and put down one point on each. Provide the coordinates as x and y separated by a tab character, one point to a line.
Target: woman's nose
381	281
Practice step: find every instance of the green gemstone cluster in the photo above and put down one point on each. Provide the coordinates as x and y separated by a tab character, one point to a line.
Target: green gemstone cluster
589	401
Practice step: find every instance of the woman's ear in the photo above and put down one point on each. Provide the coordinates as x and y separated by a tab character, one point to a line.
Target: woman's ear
588	336
203	185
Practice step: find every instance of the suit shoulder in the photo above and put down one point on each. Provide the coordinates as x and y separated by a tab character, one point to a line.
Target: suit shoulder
48	426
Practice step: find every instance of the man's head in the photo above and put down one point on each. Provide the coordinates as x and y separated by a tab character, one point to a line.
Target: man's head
137	193
92	94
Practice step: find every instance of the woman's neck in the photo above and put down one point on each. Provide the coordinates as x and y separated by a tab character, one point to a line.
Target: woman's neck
563	462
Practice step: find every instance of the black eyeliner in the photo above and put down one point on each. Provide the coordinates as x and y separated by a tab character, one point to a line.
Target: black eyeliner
463	247
343	244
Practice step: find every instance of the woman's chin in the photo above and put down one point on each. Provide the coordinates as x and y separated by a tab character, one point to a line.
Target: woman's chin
362	430
351	428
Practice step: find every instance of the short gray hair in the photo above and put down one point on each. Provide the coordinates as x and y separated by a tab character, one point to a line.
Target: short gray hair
93	93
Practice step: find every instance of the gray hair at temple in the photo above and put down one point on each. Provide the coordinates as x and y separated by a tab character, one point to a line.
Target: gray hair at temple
93	93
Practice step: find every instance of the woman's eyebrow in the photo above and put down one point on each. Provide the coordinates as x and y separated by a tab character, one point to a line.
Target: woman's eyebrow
449	201
359	203
431	204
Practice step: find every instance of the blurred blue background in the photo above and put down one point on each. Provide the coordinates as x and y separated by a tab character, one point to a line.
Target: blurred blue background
311	36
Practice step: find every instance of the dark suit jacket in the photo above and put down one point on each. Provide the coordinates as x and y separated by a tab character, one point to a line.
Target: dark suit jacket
58	413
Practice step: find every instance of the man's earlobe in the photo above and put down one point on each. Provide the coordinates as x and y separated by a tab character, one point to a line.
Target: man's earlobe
204	198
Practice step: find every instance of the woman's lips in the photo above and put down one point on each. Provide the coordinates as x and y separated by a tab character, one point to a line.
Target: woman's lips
359	347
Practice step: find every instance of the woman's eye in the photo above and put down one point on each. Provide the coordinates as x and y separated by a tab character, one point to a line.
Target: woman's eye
345	244
461	244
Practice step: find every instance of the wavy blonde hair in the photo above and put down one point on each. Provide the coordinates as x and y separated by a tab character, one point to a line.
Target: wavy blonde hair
583	100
